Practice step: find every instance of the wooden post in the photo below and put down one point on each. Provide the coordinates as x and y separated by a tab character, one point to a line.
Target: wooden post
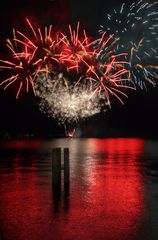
56	165
56	177
66	166
66	178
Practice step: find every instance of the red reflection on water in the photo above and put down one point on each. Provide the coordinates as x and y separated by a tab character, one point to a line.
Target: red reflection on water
25	200
116	189
119	145
106	197
21	144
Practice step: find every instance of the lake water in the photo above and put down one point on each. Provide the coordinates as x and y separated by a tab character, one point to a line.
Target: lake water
111	194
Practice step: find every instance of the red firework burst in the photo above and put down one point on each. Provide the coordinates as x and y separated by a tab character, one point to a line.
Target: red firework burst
92	61
76	49
45	42
23	67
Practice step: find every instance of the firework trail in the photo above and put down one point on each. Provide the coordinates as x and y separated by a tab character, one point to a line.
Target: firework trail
139	19
30	56
136	27
92	68
107	73
73	76
45	42
22	68
76	49
142	68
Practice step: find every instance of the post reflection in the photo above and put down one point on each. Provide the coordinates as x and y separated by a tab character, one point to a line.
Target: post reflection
60	178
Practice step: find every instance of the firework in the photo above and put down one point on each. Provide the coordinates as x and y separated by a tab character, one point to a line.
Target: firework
139	19
76	50
73	76
136	27
66	103
107	73
46	43
22	68
88	61
141	67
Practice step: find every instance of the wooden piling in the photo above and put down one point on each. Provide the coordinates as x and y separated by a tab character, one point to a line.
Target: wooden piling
66	165
66	178
56	166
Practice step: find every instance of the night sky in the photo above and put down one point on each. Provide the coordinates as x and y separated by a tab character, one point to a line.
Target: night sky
139	115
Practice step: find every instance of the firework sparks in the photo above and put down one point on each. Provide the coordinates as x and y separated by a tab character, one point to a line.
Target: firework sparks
136	26
106	73
45	42
73	76
67	104
131	19
23	68
76	50
140	67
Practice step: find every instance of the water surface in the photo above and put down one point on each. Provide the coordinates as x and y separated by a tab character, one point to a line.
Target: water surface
112	192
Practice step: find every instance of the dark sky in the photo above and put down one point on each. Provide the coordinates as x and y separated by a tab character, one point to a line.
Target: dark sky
139	115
